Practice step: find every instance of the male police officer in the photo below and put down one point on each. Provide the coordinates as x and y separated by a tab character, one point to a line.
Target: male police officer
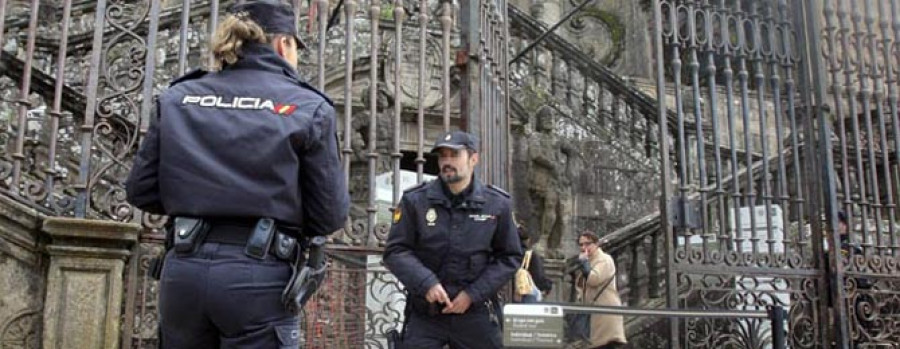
243	160
453	244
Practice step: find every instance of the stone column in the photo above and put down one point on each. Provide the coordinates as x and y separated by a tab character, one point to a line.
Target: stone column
84	281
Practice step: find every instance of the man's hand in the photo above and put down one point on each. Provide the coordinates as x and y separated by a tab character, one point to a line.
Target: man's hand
437	295
459	305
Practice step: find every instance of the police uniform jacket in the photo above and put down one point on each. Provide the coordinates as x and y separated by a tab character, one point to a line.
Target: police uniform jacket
251	140
467	244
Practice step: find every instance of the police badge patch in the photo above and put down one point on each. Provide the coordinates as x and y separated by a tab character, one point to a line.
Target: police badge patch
431	217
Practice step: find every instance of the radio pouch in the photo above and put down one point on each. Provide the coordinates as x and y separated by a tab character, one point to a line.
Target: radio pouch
260	240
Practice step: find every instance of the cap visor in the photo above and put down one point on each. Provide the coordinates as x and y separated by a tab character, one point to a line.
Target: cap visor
446	145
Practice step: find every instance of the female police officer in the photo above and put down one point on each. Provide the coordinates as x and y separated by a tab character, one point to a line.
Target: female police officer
245	144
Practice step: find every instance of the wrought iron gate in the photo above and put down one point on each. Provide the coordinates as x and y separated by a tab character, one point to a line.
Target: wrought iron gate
786	113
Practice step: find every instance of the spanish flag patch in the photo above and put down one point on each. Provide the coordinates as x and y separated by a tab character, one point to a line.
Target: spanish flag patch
397	215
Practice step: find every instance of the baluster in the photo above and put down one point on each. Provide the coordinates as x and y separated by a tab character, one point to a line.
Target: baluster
634	278
653	269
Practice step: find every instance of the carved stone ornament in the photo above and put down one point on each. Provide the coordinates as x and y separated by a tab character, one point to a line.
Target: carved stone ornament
409	81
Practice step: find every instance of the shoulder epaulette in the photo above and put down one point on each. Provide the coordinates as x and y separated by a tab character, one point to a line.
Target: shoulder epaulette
191	75
498	190
416	187
316	91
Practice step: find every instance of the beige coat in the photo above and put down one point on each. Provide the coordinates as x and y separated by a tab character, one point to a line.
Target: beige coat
604	328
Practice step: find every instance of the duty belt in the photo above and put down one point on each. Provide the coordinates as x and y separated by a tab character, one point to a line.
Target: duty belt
259	238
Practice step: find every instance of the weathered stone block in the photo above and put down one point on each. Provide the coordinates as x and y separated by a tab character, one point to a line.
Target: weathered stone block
84	282
21	276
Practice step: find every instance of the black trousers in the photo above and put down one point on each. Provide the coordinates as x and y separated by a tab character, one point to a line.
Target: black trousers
220	298
474	329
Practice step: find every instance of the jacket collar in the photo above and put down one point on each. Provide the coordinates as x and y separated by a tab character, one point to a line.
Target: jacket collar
259	56
474	198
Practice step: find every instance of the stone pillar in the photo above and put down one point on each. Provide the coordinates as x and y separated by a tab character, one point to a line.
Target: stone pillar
82	308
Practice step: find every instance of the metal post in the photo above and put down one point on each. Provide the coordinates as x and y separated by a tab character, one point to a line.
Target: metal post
776	315
807	13
469	62
665	183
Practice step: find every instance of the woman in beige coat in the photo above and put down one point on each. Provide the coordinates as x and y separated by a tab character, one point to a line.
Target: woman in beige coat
607	331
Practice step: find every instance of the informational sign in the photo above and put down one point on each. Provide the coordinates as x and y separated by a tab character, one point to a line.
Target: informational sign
533	326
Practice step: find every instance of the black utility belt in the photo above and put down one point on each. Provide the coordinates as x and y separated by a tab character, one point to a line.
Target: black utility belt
259	238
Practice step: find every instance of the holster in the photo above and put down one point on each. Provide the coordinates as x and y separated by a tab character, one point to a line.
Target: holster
308	274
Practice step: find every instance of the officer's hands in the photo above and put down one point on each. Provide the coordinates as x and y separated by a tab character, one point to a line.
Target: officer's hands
437	295
459	305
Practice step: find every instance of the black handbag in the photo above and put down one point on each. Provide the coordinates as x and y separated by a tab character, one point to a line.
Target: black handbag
578	325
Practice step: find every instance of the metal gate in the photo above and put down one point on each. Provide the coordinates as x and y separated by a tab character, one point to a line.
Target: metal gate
786	113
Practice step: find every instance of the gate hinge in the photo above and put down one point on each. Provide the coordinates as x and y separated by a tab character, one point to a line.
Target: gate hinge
684	213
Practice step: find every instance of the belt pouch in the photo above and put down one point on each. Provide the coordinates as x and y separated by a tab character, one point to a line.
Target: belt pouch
260	239
189	233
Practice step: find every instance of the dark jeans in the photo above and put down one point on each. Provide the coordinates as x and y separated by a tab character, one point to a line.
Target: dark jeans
220	298
612	345
474	329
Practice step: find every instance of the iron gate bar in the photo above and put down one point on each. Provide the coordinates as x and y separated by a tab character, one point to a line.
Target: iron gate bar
87	139
182	37
891	81
711	48
664	165
374	16
447	59
869	96
790	87
213	23
18	154
814	95
420	115
350	27
399	17
322	11
2	21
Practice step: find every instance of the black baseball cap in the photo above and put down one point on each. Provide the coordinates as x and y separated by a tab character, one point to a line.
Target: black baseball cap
842	216
457	140
274	16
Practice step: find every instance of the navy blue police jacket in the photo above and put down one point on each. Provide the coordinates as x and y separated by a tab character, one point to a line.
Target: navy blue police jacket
249	141
471	245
